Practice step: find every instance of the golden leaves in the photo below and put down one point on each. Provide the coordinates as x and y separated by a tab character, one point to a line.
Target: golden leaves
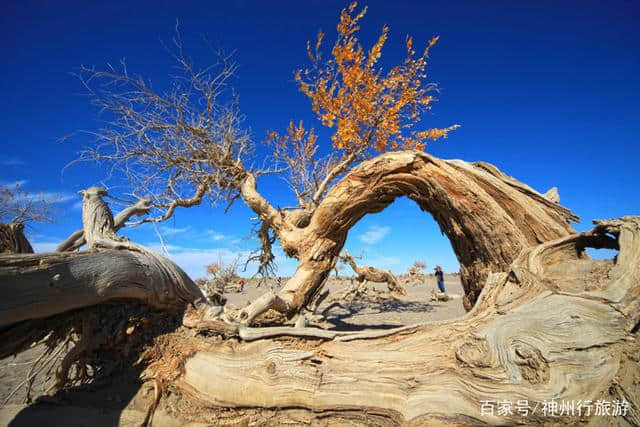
368	108
409	43
371	111
431	43
296	145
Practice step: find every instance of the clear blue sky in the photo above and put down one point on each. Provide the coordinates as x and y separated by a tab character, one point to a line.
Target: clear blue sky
547	91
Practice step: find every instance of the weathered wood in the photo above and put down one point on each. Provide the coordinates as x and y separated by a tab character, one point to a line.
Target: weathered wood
488	217
13	240
372	274
538	332
40	285
76	240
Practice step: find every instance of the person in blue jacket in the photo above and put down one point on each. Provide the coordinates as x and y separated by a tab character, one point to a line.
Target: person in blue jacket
440	278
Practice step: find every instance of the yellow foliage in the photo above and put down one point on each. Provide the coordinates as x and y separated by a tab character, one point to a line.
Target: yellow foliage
297	140
370	111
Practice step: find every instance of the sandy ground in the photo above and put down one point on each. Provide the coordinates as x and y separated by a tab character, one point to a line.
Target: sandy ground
413	308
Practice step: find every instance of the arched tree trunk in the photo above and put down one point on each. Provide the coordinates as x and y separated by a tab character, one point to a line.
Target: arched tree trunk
488	217
548	322
555	326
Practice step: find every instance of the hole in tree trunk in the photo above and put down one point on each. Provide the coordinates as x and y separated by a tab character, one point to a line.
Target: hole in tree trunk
601	254
394	240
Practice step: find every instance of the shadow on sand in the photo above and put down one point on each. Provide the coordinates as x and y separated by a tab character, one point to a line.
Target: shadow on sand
337	312
116	382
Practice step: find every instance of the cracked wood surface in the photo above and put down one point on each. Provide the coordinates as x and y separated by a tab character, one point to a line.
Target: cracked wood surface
527	338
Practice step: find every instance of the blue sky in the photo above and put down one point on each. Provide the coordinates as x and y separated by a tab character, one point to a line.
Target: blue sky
547	91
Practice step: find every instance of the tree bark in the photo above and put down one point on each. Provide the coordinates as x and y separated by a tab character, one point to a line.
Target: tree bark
555	325
41	285
488	217
76	240
13	240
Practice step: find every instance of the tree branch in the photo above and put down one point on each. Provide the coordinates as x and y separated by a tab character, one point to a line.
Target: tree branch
76	239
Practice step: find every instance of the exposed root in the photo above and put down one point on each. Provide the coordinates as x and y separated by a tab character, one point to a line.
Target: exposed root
36	368
157	394
104	339
89	340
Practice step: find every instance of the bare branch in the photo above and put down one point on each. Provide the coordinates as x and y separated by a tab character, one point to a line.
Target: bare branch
172	143
264	254
20	206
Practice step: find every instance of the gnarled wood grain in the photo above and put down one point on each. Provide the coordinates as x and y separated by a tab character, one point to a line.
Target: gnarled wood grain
40	285
527	338
488	217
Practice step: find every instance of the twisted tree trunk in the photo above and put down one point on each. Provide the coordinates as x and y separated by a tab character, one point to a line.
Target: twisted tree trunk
488	217
372	274
555	326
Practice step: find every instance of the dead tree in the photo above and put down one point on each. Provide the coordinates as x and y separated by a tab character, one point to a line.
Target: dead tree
76	240
545	321
21	207
538	332
13	240
417	269
17	208
372	274
36	286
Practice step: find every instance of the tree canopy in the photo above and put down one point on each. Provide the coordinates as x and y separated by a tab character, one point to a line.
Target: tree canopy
179	146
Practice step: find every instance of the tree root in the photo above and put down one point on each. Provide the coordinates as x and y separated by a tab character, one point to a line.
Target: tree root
157	394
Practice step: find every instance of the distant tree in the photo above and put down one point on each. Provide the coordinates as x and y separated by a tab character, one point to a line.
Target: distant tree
417	268
372	274
17	208
220	275
20	206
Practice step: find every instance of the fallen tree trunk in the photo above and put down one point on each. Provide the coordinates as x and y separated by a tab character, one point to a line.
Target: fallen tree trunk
556	326
40	285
